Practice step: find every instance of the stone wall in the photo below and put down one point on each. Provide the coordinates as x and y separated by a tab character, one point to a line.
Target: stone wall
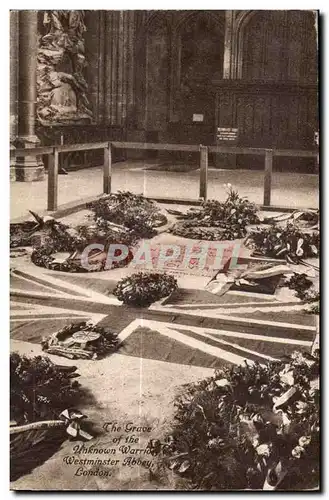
142	75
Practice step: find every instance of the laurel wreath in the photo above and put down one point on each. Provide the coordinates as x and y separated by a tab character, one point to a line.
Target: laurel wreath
119	218
142	289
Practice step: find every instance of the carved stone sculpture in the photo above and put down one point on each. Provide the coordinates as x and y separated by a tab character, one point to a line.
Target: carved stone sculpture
62	88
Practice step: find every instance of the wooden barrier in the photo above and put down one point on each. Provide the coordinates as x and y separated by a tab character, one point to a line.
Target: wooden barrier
203	172
53	152
236	150
52	203
156	146
68	148
268	176
107	169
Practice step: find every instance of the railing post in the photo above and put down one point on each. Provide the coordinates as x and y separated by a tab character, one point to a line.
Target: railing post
53	180
268	176
107	169
203	172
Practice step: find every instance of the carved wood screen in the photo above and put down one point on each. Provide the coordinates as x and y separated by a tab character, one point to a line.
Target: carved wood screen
276	119
273	97
280	46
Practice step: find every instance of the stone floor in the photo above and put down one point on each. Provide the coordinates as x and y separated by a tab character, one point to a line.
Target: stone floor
125	389
169	344
162	348
288	189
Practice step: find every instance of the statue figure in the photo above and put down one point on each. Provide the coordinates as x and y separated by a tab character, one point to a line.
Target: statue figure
62	88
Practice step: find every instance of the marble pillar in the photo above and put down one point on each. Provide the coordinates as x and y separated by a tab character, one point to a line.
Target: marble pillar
28	168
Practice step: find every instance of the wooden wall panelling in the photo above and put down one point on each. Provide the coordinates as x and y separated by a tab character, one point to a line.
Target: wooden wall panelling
157	75
92	38
101	67
119	67
109	67
140	71
131	28
276	46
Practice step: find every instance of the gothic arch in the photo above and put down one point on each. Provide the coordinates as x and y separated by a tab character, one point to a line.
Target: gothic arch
186	17
243	18
194	35
241	21
180	28
155	17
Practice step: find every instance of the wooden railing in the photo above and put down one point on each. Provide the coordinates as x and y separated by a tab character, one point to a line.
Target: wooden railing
53	152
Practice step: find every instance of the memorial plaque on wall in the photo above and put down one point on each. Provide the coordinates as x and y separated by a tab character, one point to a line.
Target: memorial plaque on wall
227	134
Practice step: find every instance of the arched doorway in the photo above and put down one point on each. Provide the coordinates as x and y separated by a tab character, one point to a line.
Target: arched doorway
198	52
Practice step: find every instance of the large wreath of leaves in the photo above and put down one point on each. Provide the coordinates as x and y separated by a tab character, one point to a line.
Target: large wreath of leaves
189	229
45	256
289	242
39	389
139	215
248	427
217	220
120	218
142	289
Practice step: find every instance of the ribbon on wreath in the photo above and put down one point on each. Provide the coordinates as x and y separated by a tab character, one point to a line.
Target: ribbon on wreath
70	419
73	419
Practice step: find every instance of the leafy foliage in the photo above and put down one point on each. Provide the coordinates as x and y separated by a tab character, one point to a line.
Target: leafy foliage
20	234
43	257
139	215
247	427
305	291
227	220
289	242
189	229
120	218
300	283
142	289
103	231
39	389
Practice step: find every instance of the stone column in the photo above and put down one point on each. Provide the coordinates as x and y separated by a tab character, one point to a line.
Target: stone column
229	26
28	168
13	85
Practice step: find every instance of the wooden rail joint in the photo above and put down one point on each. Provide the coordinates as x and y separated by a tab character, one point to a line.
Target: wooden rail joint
107	168
203	172
268	176
53	180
